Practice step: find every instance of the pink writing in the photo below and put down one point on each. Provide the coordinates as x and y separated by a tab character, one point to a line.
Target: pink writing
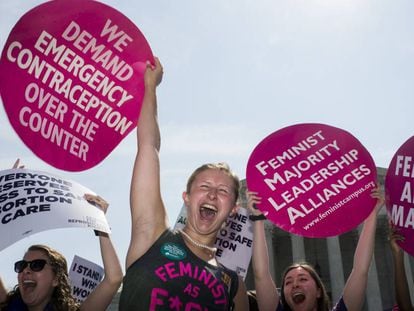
155	301
173	270
160	297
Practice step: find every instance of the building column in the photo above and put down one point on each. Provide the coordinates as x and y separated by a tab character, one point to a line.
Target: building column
409	274
336	271
298	248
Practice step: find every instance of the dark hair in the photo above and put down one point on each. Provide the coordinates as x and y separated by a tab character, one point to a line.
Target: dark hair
62	298
323	300
224	167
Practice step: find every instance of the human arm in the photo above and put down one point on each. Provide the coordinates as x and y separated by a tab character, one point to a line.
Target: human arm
355	287
241	301
266	291
402	293
101	297
3	291
17	164
148	215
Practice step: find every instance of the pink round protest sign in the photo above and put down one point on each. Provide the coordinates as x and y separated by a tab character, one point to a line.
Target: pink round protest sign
71	81
315	180
399	194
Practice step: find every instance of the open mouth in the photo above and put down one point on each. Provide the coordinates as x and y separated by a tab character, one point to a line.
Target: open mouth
29	284
298	297
207	211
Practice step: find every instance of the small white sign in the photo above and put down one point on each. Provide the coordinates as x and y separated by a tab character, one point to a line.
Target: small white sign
84	275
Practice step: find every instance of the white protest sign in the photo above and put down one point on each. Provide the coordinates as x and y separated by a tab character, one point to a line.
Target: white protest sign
84	275
234	242
33	201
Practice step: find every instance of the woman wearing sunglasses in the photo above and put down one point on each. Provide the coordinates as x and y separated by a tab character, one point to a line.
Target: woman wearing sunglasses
43	281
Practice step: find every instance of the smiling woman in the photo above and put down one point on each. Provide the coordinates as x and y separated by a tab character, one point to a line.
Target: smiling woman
168	269
43	279
302	288
311	288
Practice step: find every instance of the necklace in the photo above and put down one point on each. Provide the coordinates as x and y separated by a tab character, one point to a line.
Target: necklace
211	249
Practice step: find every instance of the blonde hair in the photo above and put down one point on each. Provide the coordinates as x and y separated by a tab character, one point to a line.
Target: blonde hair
221	166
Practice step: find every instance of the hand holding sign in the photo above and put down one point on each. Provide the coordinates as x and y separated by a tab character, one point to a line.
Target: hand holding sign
253	201
394	237
99	202
399	190
17	164
71	81
314	179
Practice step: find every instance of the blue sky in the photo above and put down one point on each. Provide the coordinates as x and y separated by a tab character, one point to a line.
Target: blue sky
236	71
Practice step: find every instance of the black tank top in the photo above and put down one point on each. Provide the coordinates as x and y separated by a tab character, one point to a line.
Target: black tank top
170	277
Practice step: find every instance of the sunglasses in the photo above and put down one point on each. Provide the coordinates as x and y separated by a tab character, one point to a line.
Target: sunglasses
35	265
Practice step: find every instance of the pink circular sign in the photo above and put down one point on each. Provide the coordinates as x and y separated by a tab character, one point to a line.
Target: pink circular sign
315	180
72	81
399	194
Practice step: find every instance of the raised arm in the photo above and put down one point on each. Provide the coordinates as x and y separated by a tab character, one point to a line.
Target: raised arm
3	291
266	292
148	216
241	301
17	164
402	293
103	294
355	287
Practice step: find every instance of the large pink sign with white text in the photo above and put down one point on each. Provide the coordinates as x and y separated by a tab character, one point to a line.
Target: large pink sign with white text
71	81
315	180
399	194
